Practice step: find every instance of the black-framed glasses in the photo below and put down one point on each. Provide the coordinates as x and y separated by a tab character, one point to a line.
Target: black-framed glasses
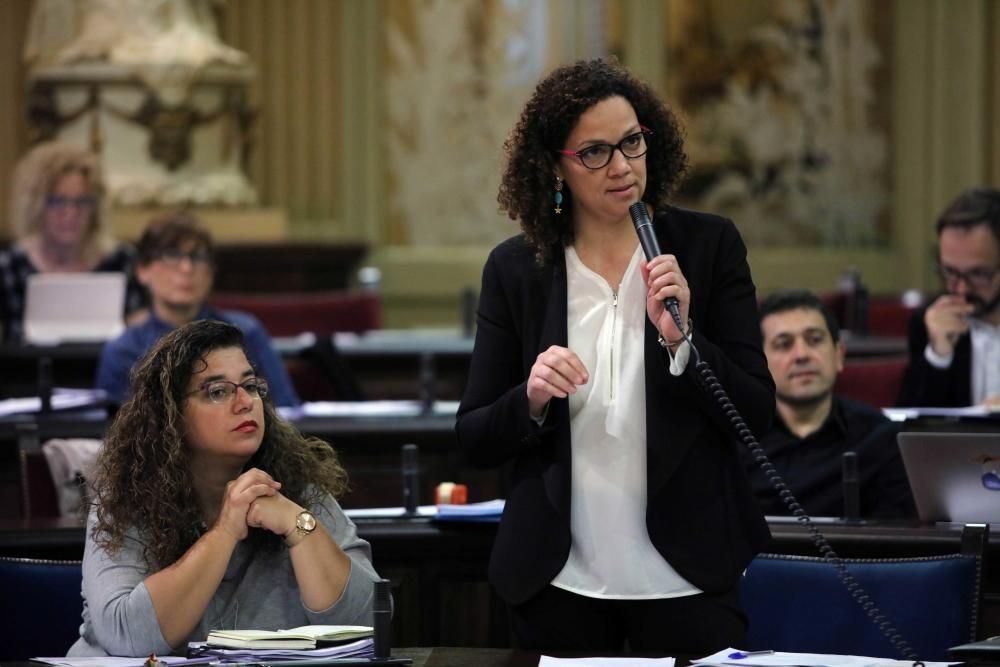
60	203
979	278
597	156
223	391
175	256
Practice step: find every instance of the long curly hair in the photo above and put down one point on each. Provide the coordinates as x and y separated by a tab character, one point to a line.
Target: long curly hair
36	175
528	183
143	479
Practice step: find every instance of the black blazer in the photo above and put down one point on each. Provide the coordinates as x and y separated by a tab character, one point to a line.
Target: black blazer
927	386
701	514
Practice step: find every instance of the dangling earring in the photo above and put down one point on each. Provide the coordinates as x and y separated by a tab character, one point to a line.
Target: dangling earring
558	197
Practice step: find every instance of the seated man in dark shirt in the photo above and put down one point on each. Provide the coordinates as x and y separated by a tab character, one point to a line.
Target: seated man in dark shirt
814	427
175	263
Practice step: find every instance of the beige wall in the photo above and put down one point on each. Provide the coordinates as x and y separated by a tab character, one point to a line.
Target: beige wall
319	154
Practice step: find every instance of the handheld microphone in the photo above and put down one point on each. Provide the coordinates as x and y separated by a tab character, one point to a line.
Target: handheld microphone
651	248
410	471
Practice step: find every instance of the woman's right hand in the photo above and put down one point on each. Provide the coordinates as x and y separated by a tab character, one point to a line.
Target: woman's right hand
240	494
556	373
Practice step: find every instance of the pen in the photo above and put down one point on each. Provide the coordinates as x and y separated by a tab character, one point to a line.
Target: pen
740	655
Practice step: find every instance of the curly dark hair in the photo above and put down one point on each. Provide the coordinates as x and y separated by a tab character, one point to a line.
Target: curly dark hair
527	186
142	477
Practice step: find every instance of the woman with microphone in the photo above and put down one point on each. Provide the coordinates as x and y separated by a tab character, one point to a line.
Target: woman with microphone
629	518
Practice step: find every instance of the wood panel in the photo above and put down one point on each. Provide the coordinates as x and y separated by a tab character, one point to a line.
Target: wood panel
13	130
298	90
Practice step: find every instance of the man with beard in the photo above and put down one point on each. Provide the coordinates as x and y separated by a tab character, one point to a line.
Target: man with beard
814	427
955	341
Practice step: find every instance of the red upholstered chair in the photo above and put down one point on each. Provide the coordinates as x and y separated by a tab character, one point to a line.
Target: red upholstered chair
38	493
875	382
319	374
888	316
289	314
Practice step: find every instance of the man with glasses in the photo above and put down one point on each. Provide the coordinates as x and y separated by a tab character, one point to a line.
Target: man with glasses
955	341
175	263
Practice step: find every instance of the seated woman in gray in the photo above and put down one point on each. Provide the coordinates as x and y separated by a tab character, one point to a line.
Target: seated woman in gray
212	512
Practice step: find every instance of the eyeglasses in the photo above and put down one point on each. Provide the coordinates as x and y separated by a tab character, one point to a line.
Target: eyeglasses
978	278
174	256
597	156
58	203
223	391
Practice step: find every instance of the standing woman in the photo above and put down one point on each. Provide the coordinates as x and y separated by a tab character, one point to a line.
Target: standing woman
629	518
211	512
59	222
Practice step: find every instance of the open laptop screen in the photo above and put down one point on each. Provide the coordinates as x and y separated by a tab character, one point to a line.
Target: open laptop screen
953	476
73	307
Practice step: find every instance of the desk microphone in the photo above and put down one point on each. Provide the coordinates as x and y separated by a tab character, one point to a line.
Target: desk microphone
851	486
411	479
382	619
45	383
651	249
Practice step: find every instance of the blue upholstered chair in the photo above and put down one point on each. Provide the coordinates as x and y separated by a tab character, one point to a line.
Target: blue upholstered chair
798	603
40	607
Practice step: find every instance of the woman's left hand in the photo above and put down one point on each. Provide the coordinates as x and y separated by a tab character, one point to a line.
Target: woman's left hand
274	513
664	278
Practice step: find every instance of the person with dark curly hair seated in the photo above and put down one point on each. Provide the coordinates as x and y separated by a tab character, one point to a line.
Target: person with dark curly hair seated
629	518
211	512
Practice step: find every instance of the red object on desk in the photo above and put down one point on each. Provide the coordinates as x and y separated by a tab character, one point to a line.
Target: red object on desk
448	493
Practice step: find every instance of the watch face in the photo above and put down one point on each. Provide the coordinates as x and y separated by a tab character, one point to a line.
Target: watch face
306	522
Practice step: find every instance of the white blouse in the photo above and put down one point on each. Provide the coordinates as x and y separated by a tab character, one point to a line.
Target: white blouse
611	555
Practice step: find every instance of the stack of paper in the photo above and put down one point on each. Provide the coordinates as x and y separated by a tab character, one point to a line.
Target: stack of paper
305	637
360	648
491	510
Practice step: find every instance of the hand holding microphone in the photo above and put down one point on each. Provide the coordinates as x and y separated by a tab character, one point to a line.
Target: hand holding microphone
664	278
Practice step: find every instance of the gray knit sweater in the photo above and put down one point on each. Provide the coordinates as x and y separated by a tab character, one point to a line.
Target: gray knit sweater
258	591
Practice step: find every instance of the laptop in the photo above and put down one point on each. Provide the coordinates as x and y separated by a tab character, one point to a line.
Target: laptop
953	476
73	307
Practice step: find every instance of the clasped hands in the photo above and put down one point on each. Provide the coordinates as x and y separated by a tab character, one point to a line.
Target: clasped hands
558	371
254	500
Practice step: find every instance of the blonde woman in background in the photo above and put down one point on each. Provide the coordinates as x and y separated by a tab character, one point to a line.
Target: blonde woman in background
57	216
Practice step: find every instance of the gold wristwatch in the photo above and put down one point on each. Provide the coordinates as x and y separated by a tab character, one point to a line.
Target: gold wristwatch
305	523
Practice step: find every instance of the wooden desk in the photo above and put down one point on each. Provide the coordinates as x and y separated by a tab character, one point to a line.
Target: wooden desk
439	569
369	448
449	656
428	364
874	346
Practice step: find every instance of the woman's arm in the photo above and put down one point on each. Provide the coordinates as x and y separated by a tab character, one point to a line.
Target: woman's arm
181	592
494	422
332	565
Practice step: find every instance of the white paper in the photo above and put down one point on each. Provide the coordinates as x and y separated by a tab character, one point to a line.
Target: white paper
549	661
782	659
62	399
389	512
113	661
902	414
487	508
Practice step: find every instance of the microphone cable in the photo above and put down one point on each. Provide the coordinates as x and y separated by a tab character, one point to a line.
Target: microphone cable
710	383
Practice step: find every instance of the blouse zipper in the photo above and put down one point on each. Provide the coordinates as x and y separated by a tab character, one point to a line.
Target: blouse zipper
614	321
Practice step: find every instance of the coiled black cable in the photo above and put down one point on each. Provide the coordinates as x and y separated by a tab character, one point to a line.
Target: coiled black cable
714	388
